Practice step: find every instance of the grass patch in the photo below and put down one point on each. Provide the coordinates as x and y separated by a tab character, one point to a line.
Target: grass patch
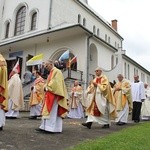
132	138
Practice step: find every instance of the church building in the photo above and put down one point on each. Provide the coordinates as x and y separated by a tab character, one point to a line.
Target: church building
53	27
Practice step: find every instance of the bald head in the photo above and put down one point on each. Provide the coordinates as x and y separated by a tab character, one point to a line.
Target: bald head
98	71
76	83
145	85
136	78
120	77
49	65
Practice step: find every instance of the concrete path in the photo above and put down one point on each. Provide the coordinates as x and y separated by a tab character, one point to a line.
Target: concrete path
20	134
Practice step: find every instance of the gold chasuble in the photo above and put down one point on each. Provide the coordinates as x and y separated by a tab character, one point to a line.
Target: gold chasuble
3	84
101	98
55	90
37	94
123	95
75	99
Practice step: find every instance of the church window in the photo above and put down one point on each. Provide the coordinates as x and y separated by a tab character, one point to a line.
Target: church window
142	77
98	33
112	61
7	30
135	71
94	29
128	72
125	70
116	60
79	19
84	22
118	46
33	21
115	44
106	37
109	40
20	21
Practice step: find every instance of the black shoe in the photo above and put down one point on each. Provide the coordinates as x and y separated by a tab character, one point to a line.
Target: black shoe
39	116
11	117
44	131
121	123
1	128
49	132
106	126
136	121
117	123
88	125
39	130
33	117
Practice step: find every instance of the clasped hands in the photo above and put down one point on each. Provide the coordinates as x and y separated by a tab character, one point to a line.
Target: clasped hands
95	84
45	88
117	89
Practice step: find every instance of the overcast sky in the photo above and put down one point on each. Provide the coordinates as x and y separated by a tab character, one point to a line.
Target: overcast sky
133	25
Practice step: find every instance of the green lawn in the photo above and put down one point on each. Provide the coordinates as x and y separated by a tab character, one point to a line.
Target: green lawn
133	138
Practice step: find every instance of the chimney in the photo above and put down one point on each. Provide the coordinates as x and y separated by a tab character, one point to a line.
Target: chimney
114	24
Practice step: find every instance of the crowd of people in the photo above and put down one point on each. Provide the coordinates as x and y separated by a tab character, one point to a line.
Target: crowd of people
50	100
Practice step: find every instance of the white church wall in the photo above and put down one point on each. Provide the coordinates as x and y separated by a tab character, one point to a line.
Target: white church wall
129	70
11	7
68	11
76	45
104	55
1	13
61	13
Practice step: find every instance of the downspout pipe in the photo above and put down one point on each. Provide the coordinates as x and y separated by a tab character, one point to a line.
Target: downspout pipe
1	15
50	14
88	59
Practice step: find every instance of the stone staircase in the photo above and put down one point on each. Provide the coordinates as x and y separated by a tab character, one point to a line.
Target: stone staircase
26	95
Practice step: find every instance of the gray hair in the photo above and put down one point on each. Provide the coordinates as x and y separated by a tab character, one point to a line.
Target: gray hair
49	61
119	75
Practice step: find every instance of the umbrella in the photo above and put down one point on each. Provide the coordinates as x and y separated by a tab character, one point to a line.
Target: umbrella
36	60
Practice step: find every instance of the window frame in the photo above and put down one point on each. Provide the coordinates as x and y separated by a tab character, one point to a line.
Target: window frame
7	27
33	21
20	21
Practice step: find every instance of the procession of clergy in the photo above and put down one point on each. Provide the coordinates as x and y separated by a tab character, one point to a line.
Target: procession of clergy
49	100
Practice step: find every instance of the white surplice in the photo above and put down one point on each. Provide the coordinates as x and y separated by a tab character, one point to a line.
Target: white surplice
76	113
2	117
54	122
122	116
36	110
145	110
137	91
11	112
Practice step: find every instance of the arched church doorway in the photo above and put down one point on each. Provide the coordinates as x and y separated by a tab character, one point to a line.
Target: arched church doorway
64	59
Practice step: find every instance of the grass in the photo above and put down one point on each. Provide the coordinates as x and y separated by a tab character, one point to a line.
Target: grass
132	138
